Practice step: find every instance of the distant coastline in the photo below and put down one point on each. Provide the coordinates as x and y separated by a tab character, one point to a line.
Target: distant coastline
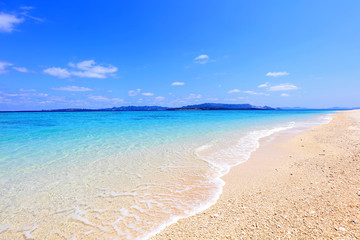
197	107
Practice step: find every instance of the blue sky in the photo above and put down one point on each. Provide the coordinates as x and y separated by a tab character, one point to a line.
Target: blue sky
93	54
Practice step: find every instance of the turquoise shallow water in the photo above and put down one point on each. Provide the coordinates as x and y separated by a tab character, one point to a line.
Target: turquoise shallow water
122	175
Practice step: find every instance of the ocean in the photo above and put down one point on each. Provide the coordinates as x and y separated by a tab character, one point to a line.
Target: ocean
122	175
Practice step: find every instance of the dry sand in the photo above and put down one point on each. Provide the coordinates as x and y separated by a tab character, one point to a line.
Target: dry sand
295	187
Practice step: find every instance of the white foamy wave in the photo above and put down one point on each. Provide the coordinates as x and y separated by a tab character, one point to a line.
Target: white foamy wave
323	119
5	227
224	159
326	119
205	205
27	234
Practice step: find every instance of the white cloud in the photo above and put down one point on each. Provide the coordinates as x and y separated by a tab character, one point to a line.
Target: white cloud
193	96
45	102
26	7
40	94
230	99
73	89
91	70
285	95
57	99
3	66
202	59
26	94
148	94
283	87
26	14
99	98
255	93
58	72
276	74
13	94
178	83
27	90
8	22
133	93
234	91
106	99
21	69
267	84
84	69
212	99
159	98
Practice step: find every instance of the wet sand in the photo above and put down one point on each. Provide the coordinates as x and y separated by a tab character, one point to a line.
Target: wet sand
304	186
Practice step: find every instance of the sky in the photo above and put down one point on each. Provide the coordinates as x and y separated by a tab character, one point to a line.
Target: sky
99	54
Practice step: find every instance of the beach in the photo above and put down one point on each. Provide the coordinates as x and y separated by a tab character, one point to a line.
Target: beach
295	186
179	120
234	174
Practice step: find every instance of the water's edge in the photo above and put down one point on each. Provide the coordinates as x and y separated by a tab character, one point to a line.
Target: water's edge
261	134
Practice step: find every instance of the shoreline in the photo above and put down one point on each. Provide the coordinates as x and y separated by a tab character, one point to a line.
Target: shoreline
278	192
263	135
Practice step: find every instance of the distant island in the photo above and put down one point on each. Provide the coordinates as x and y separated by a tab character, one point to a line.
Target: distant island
203	106
197	107
222	106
